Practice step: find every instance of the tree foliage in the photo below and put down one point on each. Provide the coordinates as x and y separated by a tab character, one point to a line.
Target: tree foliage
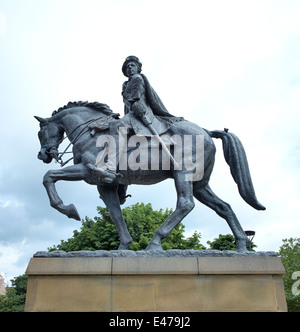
289	253
14	299
142	221
225	242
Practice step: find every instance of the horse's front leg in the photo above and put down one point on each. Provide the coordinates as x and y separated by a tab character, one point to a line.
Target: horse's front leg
71	173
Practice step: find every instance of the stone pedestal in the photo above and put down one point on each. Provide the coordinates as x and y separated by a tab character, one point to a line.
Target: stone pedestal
114	284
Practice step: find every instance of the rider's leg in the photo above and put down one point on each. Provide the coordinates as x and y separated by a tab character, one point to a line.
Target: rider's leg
110	157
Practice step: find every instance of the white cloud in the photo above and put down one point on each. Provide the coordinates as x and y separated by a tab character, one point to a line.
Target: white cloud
9	256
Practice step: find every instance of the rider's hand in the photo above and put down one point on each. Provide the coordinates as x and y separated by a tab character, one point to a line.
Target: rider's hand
138	109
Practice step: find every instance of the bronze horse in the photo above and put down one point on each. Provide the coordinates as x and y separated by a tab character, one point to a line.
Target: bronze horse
85	122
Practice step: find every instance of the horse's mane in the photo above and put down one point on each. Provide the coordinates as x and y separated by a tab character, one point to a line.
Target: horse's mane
94	105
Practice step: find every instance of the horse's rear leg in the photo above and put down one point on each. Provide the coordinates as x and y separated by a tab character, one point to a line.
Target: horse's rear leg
72	173
185	204
110	197
206	196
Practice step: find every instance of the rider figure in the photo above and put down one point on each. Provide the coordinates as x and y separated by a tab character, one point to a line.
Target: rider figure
142	104
143	109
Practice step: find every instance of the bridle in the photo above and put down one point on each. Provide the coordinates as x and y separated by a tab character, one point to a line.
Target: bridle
50	146
54	147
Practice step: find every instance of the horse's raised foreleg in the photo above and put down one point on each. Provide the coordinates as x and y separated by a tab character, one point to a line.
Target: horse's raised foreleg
206	196
71	173
185	204
109	195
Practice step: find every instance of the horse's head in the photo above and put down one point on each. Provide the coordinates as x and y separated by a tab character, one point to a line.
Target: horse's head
50	136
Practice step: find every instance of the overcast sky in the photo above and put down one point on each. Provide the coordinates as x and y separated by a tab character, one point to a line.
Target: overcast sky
232	64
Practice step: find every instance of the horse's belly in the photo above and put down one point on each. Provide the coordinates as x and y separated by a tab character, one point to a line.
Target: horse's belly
144	177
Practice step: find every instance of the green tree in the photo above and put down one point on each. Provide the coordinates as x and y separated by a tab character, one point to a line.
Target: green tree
14	299
225	242
142	221
289	253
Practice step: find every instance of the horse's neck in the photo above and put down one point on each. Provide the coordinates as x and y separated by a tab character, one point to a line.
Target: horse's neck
75	120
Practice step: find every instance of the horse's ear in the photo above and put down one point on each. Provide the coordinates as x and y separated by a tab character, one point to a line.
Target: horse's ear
41	120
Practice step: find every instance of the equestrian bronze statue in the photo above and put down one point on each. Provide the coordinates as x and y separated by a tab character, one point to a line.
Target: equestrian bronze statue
145	146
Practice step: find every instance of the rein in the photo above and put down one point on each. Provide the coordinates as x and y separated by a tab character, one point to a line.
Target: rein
61	154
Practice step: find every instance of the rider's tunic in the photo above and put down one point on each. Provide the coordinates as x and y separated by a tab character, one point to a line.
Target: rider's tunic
137	99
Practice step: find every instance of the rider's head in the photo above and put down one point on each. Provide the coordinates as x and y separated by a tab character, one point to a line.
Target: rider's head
127	65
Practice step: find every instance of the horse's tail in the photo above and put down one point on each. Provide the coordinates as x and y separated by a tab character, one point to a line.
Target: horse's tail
235	157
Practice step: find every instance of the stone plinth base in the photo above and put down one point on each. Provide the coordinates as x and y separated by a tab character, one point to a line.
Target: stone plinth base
115	284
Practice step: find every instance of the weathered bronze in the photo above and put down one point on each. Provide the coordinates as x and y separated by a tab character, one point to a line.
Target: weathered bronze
146	146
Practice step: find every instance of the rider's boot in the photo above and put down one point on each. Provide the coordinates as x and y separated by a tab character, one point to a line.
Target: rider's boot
105	174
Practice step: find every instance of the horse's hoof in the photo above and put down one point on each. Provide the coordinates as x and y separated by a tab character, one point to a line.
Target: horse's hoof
125	245
72	212
241	246
153	246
